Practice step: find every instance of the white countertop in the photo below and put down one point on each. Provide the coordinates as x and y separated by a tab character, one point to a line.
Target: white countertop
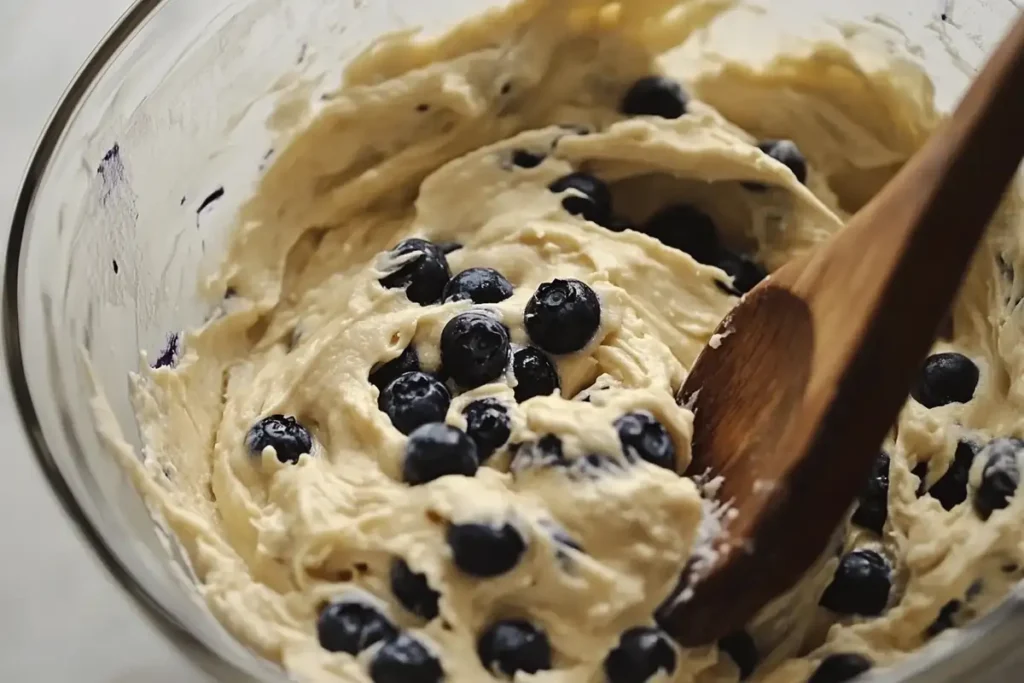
61	617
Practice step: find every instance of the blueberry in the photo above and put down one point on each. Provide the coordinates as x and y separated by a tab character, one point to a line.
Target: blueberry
485	550
479	285
514	645
487	423
544	452
526	159
683	227
642	436
405	660
283	433
352	626
787	153
641	653
860	586
655	96
945	618
414	399
595	204
437	450
412	590
839	668
535	374
424	277
745	273
474	349
946	378
562	316
951	488
1000	476
742	650
386	373
873	506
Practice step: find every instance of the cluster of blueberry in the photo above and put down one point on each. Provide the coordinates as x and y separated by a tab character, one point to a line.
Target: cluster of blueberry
505	648
863	579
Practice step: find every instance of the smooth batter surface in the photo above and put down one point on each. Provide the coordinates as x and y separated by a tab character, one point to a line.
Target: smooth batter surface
307	320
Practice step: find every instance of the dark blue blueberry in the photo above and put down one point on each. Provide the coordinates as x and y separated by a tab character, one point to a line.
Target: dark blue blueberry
655	96
487	423
412	590
839	668
642	436
168	355
945	378
742	650
479	285
618	224
414	399
944	620
405	660
787	153
283	433
641	653
562	316
873	506
1000	476
535	374
424	277
352	626
544	452
745	273
951	488
474	349
860	585
683	227
386	373
485	550
514	645
591	199
437	450
526	159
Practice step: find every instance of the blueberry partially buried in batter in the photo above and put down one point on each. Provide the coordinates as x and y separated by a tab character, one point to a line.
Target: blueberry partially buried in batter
512	645
405	660
422	275
840	667
562	316
284	434
535	374
745	273
642	652
474	349
687	229
414	399
437	450
945	378
860	585
479	285
585	195
642	436
1000	476
487	423
351	626
655	96
412	590
485	550
386	373
787	153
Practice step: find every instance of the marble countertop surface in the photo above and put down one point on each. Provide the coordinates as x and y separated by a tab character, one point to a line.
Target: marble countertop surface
61	617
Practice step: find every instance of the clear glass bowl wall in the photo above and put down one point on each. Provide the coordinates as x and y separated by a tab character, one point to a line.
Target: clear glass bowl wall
108	244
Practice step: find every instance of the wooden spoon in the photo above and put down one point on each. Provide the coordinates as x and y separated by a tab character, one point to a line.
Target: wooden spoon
791	408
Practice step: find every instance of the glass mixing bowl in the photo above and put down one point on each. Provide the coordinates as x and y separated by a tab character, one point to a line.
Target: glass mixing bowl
128	199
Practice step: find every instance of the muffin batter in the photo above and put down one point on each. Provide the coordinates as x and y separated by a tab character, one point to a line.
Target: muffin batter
387	465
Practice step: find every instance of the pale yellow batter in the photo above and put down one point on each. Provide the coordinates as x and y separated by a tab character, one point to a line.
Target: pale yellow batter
418	142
